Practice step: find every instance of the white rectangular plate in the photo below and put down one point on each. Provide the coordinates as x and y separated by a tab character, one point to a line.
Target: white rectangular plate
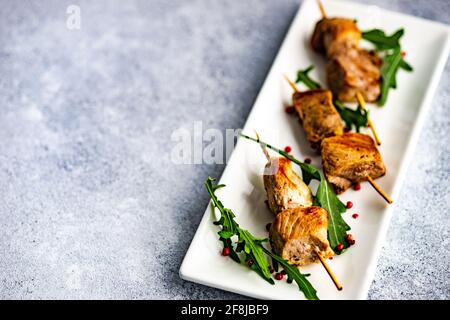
398	123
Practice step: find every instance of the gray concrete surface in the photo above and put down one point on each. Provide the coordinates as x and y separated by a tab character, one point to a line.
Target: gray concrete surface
91	206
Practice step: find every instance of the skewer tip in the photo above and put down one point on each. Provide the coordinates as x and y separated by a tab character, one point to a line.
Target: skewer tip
322	9
291	83
263	146
256	133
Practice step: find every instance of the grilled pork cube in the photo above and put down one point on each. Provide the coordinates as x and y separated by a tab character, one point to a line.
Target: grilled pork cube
331	33
284	187
297	233
318	115
350	70
350	158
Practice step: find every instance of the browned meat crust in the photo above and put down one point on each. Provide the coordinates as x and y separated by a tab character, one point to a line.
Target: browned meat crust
284	187
297	232
318	115
350	158
351	70
331	33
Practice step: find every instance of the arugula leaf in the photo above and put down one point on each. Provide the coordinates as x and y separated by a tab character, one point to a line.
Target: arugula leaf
325	197
405	65
302	76
253	247
230	228
381	40
353	118
389	68
293	274
392	59
253	250
337	227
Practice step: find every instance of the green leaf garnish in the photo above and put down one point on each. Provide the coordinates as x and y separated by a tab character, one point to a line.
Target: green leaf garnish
293	274
353	118
405	65
253	247
382	41
392	59
337	227
325	197
357	118
389	68
302	76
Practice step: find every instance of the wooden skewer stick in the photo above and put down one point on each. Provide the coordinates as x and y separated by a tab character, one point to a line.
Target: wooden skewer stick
292	84
322	9
362	103
380	192
263	147
330	273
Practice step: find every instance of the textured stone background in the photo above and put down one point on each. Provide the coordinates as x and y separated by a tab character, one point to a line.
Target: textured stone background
91	206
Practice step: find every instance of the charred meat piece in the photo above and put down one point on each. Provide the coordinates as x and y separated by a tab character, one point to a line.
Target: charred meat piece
297	233
318	115
331	33
350	158
350	70
284	187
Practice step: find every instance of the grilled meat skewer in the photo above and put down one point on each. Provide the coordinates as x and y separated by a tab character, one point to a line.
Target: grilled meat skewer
323	126
304	237
350	158
300	234
290	199
350	69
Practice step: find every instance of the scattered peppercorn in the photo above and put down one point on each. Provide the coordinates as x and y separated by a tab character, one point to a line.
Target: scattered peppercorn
279	276
403	54
349	204
250	263
331	258
349	239
226	251
287	149
268	226
307	160
357	186
355	215
290	110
